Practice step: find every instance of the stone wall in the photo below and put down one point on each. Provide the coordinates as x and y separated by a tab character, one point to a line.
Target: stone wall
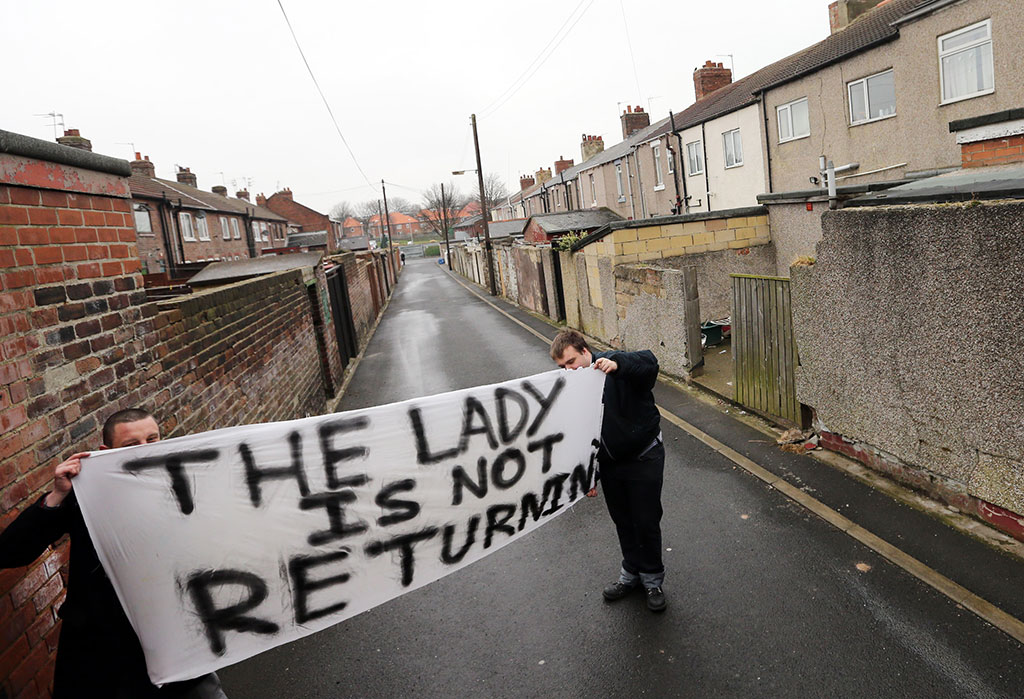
908	328
690	234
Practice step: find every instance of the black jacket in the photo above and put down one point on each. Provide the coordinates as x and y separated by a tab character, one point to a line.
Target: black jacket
631	419
98	654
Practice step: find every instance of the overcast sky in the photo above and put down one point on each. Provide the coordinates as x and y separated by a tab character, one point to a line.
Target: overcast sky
220	87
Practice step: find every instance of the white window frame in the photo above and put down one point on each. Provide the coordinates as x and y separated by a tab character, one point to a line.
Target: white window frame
863	83
146	218
960	49
202	229
669	159
659	176
225	229
236	231
618	181
695	157
729	139
185	222
787	109
593	190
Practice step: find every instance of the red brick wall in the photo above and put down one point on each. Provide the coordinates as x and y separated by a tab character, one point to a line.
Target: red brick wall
79	341
996	151
282	204
535	234
152	250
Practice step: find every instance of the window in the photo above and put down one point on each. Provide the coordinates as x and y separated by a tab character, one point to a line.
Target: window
669	159
965	62
263	232
618	180
658	176
204	232
872	98
593	189
695	157
143	224
236	232
185	223
793	120
225	231
733	148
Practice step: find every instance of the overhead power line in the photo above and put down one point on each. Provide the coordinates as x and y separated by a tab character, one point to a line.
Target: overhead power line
539	61
632	58
326	104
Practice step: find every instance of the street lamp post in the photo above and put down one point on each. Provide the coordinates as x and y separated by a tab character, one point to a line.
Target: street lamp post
483	209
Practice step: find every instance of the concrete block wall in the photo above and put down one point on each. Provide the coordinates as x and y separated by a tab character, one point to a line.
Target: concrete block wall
655	242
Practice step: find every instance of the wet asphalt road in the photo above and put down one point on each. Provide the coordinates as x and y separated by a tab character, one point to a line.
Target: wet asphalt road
765	598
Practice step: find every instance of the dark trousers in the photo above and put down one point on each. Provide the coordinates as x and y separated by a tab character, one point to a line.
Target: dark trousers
632	490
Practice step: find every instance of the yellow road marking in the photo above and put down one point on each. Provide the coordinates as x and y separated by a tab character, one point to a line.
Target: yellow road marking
1003	621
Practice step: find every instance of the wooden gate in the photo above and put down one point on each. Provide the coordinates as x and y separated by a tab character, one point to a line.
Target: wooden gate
763	348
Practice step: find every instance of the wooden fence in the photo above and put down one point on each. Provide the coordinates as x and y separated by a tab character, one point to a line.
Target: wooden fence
763	349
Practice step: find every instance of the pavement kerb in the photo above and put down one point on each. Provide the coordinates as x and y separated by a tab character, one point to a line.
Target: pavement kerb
1007	623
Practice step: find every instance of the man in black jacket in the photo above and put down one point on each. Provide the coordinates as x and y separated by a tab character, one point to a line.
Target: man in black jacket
631	460
98	654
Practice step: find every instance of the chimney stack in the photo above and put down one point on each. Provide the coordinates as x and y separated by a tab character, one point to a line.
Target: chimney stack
242	194
220	190
842	12
634	119
143	167
185	176
710	77
525	182
590	146
543	175
261	200
286	193
73	139
561	165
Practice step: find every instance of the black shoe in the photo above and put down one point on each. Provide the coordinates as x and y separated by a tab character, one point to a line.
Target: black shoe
656	599
618	590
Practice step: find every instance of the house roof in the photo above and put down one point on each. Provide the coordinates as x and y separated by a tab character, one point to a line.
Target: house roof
352	223
996	182
582	220
357	242
195	198
310	239
226	272
504	229
469	222
395	217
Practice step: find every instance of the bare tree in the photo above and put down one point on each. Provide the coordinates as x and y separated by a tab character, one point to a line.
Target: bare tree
365	210
401	205
495	190
433	207
341	211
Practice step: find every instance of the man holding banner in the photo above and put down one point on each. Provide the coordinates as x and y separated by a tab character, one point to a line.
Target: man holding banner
98	654
631	459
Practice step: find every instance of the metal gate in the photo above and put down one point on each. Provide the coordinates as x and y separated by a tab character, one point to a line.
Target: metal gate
763	347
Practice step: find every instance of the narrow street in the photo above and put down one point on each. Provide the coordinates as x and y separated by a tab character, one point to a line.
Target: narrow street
765	598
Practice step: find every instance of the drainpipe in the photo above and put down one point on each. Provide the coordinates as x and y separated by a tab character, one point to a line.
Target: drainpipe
704	153
629	187
682	205
640	185
249	240
767	142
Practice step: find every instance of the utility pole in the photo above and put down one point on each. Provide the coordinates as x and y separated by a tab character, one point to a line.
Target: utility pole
387	216
444	223
483	211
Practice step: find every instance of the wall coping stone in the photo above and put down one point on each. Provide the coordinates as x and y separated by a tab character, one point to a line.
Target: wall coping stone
26	146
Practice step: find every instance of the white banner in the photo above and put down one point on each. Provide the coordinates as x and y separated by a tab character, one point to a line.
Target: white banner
224	544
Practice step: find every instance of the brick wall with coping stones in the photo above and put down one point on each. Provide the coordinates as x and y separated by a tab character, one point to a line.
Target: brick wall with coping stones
80	342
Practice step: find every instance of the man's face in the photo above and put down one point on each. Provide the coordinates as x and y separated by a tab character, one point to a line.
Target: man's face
128	434
572	358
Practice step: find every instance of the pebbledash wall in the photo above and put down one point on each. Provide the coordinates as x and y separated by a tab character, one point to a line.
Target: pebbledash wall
910	348
79	341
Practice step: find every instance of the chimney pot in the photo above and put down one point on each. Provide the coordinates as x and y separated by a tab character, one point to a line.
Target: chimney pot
709	78
185	176
142	167
73	139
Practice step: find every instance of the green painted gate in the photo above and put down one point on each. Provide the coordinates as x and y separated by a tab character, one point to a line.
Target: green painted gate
763	347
